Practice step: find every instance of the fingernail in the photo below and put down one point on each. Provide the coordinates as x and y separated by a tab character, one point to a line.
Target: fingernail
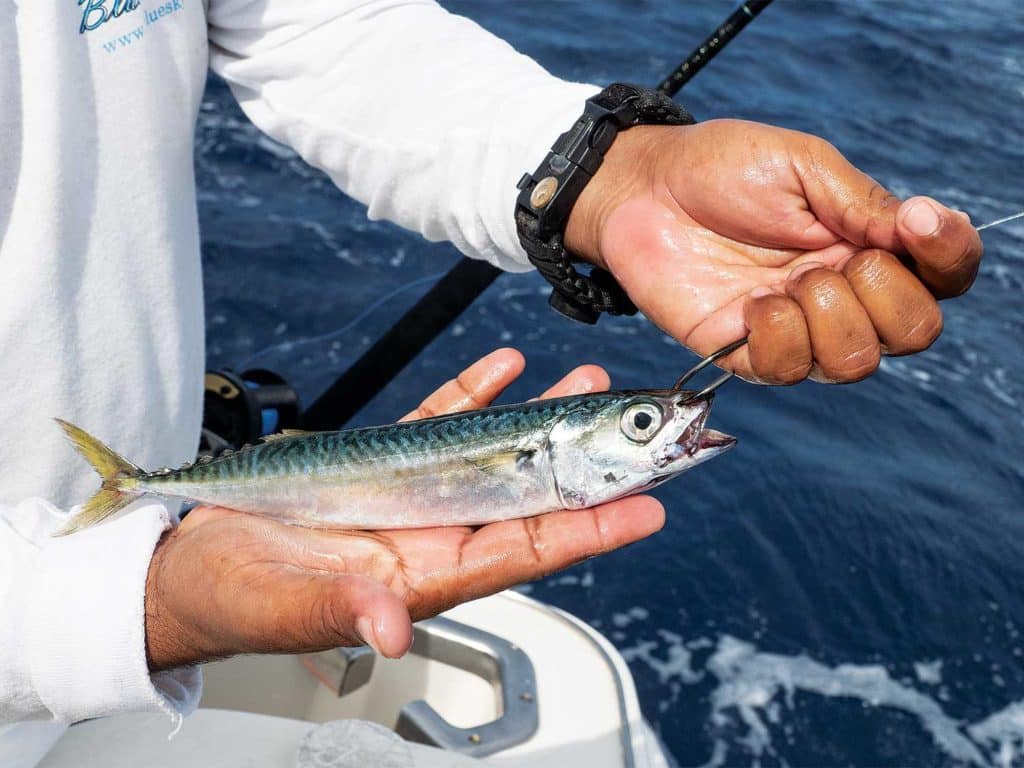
760	292
804	268
922	219
364	626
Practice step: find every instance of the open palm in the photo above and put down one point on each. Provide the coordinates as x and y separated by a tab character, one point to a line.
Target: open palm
225	582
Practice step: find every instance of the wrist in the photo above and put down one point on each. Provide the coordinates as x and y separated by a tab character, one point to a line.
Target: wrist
548	196
168	639
629	168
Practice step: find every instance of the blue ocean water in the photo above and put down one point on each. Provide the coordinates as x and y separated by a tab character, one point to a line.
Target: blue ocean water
845	588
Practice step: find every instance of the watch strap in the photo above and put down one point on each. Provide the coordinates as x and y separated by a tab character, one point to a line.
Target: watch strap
546	197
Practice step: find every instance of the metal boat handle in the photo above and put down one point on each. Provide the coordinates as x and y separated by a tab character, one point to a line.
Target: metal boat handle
504	665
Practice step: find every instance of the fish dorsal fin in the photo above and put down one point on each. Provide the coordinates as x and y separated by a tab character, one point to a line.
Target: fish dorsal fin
285	433
507	461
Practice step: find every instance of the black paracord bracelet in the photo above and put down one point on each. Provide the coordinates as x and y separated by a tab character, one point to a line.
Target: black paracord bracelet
546	197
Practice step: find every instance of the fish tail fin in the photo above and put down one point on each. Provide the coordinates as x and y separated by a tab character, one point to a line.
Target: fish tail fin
113	471
104	503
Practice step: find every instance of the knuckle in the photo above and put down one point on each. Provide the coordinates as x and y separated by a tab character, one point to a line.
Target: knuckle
956	270
871	212
818	148
962	259
423	602
869	266
317	622
848	220
883	203
775	310
921	333
787	375
467	390
966	269
425	411
780	351
779	315
818	284
324	620
461	383
853	365
335	624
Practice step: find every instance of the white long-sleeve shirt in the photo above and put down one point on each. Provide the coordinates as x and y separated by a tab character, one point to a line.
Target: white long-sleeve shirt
420	114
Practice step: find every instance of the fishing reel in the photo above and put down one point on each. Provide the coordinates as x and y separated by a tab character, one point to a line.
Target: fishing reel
241	408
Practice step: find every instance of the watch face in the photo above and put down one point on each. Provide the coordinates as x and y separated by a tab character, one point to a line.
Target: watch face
545	190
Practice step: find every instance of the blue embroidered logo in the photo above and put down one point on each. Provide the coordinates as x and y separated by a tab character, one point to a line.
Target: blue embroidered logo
129	37
99	12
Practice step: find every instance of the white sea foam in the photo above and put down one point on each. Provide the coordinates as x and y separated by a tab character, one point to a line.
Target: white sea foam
750	681
754	691
636	613
1004	732
929	672
678	661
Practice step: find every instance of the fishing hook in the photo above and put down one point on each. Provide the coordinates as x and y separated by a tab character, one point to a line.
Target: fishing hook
718	355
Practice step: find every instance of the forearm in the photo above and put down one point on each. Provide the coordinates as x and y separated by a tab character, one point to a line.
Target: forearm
420	114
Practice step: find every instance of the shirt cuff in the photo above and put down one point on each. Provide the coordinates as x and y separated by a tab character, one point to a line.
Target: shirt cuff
529	122
85	633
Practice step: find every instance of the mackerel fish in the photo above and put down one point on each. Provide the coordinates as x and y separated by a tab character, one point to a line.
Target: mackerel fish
469	468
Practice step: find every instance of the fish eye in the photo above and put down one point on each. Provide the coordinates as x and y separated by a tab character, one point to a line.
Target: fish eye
641	421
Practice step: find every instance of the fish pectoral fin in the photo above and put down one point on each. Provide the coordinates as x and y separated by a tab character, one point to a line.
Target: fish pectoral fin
285	433
508	461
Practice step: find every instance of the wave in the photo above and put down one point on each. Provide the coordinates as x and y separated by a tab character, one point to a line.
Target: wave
753	690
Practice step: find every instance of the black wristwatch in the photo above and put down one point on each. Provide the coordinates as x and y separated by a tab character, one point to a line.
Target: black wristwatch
546	197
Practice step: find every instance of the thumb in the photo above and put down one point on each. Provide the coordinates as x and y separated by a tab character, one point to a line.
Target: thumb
944	245
345	610
845	199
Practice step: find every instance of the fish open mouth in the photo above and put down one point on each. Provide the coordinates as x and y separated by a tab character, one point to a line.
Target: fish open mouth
712	438
689	438
695	445
697	438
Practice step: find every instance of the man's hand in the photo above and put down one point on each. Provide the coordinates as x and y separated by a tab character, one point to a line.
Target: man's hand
224	583
730	228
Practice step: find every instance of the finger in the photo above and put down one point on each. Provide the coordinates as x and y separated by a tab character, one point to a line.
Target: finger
906	316
580	381
475	387
945	246
845	199
843	340
779	344
316	612
501	555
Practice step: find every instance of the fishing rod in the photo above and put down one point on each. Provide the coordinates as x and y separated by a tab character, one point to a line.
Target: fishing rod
714	43
469	278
